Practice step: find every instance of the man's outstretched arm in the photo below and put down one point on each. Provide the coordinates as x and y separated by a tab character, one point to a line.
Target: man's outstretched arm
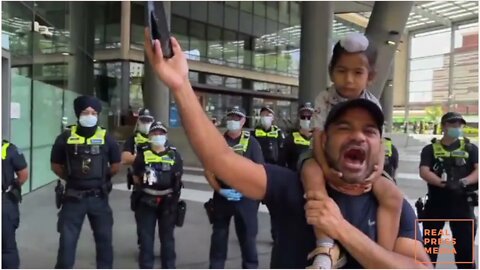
242	174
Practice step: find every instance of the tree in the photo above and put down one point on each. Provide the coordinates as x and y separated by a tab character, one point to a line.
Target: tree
434	113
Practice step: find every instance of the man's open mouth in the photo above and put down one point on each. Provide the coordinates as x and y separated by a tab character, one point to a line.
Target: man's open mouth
354	158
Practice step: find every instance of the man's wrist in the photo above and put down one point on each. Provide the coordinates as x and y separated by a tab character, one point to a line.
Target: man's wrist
344	230
183	86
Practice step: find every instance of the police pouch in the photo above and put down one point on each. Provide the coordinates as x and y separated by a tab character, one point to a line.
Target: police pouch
59	190
209	208
129	179
181	211
16	193
134	199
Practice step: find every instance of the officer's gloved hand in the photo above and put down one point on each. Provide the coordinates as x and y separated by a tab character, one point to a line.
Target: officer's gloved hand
230	194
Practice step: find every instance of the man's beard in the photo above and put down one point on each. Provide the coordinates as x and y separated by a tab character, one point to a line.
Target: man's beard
334	164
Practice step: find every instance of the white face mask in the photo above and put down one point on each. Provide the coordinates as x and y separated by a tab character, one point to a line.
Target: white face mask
266	121
87	120
158	140
305	124
233	125
144	127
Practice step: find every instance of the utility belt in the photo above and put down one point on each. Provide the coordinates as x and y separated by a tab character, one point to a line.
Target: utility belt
155	192
13	192
80	194
173	204
62	193
472	200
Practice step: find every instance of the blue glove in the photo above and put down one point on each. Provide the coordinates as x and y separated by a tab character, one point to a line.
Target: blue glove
230	194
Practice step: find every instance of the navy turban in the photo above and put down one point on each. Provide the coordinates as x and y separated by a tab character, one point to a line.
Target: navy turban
83	102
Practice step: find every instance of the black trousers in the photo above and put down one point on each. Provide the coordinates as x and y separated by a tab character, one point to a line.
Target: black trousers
244	213
10	222
461	231
70	221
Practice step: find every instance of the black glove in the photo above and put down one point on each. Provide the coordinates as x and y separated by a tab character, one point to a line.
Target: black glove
455	186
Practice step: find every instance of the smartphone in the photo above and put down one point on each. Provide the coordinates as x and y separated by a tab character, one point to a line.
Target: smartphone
157	22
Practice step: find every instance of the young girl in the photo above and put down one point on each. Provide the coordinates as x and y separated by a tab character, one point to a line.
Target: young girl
351	71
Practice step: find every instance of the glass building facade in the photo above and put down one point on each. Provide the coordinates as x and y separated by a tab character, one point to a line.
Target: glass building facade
60	50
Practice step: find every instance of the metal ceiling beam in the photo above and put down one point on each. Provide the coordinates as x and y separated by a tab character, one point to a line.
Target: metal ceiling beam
431	15
353	18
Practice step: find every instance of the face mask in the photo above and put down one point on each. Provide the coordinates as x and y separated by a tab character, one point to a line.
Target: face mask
305	124
266	121
455	132
144	127
158	140
87	120
233	125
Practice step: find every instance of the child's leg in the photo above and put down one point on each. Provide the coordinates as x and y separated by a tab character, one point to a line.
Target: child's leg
390	201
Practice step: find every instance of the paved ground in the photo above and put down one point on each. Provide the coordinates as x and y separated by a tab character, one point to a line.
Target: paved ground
38	239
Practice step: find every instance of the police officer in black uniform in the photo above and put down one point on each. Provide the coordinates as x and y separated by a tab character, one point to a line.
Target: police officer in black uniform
13	162
157	172
450	168
299	141
86	156
272	141
270	137
138	142
391	158
228	202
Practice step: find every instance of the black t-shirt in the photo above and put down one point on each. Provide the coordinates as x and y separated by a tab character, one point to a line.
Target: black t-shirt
59	153
293	151
139	163
14	162
428	159
296	239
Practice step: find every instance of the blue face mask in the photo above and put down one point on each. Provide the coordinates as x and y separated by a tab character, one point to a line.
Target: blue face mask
158	140
87	120
455	132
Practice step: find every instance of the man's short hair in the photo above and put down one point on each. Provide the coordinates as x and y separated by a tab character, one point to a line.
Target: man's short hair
339	109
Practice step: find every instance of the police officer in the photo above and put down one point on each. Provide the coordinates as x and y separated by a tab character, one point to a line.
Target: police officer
391	158
158	172
270	137
299	141
86	156
450	168
13	162
138	142
228	202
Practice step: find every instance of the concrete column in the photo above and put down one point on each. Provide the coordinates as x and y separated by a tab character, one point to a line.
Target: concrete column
387	102
451	67
315	48
125	88
82	31
125	28
387	18
156	95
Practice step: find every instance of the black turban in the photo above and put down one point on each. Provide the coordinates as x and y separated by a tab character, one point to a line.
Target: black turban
83	102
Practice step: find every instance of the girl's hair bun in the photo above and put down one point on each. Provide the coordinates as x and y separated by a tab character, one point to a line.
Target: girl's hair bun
354	42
